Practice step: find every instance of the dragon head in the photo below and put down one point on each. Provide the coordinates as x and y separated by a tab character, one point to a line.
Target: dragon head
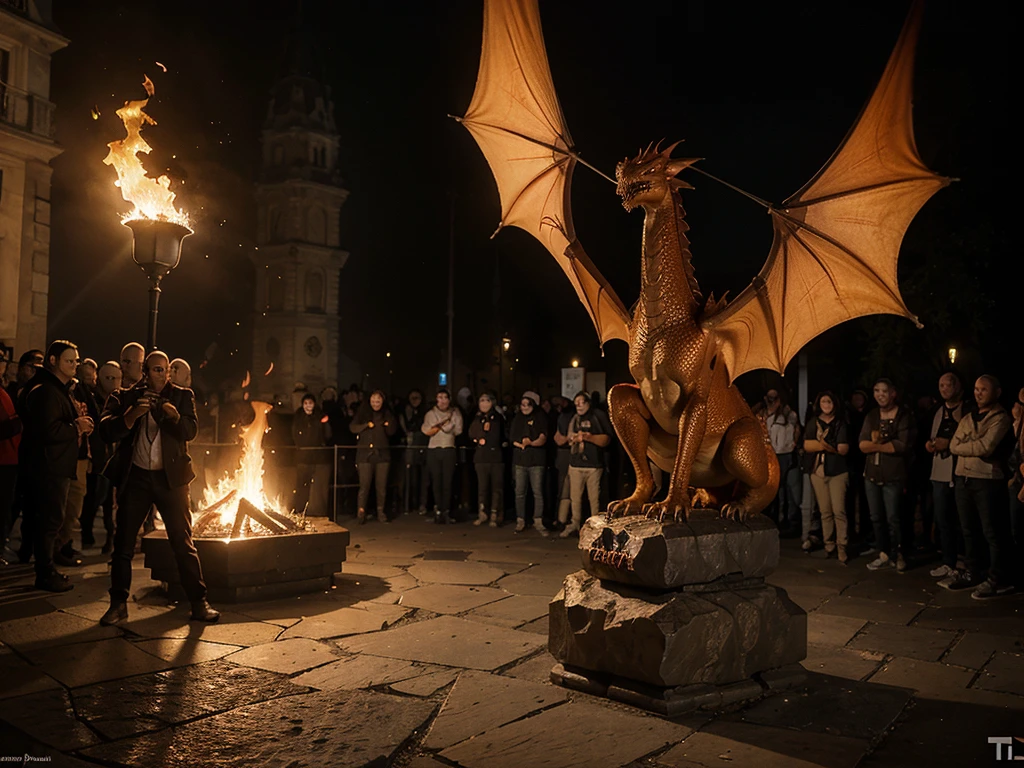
651	176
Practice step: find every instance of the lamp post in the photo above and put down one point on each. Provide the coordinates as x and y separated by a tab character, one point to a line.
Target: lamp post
506	342
156	248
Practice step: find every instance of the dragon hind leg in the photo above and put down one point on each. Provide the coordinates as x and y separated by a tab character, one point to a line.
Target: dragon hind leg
749	458
630	419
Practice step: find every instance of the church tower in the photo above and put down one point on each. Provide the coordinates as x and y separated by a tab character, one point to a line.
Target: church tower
298	258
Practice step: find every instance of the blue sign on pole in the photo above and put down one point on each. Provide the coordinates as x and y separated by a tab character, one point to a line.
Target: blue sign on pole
442	379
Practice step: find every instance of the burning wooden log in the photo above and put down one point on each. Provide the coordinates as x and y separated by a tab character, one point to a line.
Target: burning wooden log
211	514
247	509
283	520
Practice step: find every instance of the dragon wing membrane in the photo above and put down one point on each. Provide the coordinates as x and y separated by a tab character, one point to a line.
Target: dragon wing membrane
517	122
837	240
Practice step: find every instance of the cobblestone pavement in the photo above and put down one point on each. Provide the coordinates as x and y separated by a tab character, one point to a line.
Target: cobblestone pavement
430	650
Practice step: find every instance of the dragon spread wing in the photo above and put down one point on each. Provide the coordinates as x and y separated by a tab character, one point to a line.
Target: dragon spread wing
837	240
516	120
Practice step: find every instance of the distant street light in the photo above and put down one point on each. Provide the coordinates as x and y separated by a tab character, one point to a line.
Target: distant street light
506	342
952	355
575	363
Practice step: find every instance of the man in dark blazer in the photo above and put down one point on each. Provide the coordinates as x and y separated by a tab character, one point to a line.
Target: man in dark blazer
153	422
49	453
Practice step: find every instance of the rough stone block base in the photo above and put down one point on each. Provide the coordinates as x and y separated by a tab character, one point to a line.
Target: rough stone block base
726	633
681	699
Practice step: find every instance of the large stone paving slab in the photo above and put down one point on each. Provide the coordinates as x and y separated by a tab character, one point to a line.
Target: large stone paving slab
1004	673
361	671
479	702
286	656
569	735
996	617
340	729
928	678
536	669
346	621
870	610
912	642
19	677
151	702
538	580
832	706
468	573
449	641
827	750
829	630
86	663
841	662
52	629
48	717
810	597
232	629
182	652
708	749
974	649
426	685
442	598
513	611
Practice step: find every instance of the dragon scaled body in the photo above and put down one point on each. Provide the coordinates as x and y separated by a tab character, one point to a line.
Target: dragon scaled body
683	412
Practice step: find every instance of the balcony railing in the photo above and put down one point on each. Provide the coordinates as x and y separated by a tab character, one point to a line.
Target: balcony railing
26	111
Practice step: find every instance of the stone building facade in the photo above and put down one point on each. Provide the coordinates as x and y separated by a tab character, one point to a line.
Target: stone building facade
27	41
298	258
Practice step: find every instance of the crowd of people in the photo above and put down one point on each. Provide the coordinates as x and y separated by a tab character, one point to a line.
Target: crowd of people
896	484
77	438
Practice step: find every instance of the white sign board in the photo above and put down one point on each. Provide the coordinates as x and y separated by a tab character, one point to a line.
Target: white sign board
573	381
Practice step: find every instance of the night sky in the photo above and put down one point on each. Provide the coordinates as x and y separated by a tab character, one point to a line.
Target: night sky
765	93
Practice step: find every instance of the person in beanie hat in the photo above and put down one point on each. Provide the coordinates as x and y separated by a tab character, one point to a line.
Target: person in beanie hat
528	435
487	431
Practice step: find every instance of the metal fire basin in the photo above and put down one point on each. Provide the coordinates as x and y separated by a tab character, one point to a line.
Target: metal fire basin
255	568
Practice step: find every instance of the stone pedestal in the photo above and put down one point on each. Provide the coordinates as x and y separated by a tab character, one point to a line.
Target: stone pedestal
675	616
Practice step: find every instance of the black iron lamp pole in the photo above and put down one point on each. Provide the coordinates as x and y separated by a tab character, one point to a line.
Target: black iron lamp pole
156	248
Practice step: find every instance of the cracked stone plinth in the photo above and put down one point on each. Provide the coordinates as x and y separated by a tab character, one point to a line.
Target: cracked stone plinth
676	638
643	552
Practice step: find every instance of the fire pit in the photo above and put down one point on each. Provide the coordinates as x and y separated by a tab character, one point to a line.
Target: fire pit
252	548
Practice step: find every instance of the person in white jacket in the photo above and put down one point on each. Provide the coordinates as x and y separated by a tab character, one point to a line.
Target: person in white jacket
442	424
981	447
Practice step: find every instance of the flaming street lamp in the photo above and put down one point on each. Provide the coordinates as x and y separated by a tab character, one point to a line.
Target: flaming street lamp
156	248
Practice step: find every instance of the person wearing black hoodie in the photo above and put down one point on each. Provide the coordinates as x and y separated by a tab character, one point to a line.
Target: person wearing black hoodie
373	424
311	434
487	432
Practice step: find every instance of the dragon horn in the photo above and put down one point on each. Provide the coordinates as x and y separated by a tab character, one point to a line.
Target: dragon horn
668	150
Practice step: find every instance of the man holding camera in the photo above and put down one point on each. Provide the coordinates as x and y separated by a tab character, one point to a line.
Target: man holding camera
154	421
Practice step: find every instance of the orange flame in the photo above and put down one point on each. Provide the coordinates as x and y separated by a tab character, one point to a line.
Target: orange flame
247	480
151	198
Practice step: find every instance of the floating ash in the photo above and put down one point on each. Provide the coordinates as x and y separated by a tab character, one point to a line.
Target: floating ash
237	506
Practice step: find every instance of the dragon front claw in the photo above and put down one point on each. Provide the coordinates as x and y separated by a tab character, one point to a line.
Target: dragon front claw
738	512
631	505
667	510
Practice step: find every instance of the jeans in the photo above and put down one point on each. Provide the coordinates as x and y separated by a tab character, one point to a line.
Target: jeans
884	502
787	501
830	493
490	486
441	465
984	514
143	489
377	475
590	478
951	539
534	476
75	503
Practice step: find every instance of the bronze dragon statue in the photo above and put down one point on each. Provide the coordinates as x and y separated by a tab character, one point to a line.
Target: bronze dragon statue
833	258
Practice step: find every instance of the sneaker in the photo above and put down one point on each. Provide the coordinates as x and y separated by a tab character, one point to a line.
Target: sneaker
520	525
495	520
882	561
382	516
843	556
481	518
941	572
569	530
538	525
806	545
959	580
901	564
989	589
361	516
